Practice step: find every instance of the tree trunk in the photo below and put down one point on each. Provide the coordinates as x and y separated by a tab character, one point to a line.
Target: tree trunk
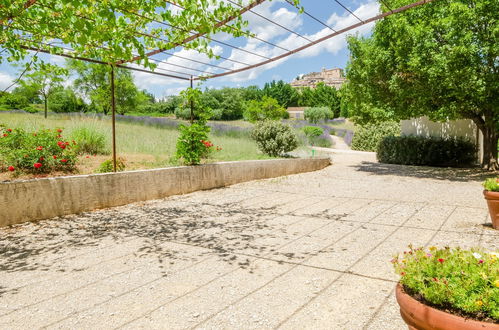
490	139
46	108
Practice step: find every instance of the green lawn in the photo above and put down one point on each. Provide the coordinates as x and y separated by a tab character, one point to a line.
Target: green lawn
144	146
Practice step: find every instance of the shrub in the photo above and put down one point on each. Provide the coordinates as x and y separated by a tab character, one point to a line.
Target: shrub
316	136
107	165
193	144
42	151
312	131
417	150
266	109
368	137
89	141
274	138
316	114
465	282
491	184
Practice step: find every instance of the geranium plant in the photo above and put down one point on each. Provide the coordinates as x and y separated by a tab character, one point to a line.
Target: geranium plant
462	282
491	184
41	151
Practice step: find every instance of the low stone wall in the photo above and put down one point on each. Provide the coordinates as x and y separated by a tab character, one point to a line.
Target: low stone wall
37	199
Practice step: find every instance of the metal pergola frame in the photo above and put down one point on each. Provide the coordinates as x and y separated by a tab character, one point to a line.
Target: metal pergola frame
69	53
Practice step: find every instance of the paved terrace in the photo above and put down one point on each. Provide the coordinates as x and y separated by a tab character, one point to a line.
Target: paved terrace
308	251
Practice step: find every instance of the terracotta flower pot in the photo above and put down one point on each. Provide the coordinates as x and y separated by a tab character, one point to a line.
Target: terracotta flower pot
492	198
421	317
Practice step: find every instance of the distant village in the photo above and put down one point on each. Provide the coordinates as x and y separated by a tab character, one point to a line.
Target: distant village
331	77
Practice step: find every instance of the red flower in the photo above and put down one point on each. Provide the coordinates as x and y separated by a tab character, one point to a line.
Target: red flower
9	130
59	130
480	261
5	134
62	146
11	168
42	159
37	165
39	148
64	160
55	157
440	260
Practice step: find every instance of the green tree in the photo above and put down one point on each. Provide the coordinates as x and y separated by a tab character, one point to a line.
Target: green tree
438	60
93	80
44	81
282	92
266	109
65	100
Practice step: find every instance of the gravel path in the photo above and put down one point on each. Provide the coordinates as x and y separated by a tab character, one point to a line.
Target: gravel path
308	251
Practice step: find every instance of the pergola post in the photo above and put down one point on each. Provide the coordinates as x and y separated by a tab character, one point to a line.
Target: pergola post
113	107
192	104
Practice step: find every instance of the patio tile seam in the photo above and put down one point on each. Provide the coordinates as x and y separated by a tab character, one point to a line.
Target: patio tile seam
126	292
375	199
349	268
222	275
391	225
378	309
295	266
125	241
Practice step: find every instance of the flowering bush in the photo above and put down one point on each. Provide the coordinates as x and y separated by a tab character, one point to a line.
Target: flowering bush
464	282
491	184
192	143
35	152
274	138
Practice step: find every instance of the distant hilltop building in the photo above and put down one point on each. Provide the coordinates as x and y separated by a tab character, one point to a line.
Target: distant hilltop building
332	77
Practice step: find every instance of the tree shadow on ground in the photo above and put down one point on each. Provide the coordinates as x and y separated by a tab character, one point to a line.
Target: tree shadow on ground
230	231
439	173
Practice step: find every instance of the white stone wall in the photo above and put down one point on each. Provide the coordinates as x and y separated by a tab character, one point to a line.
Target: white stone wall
455	128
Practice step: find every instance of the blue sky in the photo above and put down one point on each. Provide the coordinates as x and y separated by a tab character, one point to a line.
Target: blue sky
329	54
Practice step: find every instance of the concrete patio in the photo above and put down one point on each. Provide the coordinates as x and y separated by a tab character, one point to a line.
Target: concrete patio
307	251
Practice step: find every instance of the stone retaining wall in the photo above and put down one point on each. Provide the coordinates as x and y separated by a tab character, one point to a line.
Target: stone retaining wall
37	199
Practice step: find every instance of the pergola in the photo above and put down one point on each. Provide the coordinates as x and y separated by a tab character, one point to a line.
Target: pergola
179	36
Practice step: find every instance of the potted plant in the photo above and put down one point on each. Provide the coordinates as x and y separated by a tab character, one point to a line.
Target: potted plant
448	288
491	194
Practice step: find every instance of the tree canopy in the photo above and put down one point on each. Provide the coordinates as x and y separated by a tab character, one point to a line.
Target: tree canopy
438	60
114	30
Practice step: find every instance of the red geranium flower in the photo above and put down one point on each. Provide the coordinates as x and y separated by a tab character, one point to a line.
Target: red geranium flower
37	165
42	159
55	157
11	168
39	148
59	130
5	134
64	160
440	260
9	130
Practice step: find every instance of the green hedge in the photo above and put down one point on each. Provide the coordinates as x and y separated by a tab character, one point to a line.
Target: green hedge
367	137
418	150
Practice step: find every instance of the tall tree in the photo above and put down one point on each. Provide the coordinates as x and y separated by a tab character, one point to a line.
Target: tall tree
93	81
282	92
438	60
44	81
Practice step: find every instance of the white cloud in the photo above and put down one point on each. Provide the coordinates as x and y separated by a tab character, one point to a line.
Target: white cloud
292	41
5	80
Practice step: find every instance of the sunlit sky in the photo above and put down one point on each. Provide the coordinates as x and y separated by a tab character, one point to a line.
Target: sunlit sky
329	54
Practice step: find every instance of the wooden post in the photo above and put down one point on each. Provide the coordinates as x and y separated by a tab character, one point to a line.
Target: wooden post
113	107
